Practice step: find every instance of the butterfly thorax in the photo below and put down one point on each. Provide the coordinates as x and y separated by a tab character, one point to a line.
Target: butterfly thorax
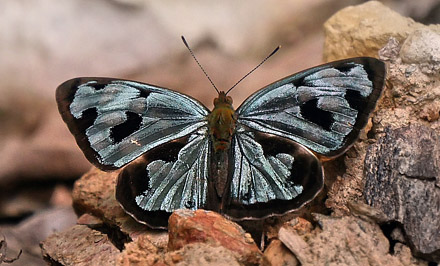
221	122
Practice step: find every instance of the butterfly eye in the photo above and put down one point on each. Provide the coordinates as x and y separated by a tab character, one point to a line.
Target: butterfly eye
229	99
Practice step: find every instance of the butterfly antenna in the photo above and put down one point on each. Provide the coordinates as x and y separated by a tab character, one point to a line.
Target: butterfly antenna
197	61
255	68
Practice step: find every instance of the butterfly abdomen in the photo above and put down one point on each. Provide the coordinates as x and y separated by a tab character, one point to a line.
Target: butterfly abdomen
221	122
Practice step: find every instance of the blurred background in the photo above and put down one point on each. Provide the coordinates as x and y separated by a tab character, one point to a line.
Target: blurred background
45	42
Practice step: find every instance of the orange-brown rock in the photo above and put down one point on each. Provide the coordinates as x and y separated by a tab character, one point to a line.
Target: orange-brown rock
94	193
200	226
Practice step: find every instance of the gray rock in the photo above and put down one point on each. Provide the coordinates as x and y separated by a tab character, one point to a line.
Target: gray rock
422	47
402	170
28	234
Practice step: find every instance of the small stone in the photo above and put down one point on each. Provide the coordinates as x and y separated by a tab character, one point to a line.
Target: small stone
90	220
421	46
300	225
61	196
140	252
364	210
404	254
430	112
277	254
391	50
397	235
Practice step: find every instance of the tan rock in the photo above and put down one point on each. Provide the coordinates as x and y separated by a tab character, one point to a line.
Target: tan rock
94	193
278	254
341	241
203	254
141	251
80	245
364	29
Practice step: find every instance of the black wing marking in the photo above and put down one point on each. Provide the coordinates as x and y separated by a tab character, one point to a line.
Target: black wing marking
115	121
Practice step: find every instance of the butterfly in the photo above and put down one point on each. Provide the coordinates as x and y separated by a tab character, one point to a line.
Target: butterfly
261	160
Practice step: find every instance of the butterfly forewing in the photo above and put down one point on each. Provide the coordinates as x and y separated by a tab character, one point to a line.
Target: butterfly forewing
116	121
323	108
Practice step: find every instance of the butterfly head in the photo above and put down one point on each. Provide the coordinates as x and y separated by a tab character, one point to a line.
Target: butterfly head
222	100
222	121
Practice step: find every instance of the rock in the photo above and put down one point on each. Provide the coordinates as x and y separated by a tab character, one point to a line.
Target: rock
362	30
61	196
47	222
397	235
94	194
346	182
277	254
203	254
25	237
421	46
402	170
37	157
186	227
4	250
411	95
20	201
430	112
48	144
411	98
80	245
341	241
141	251
363	210
403	252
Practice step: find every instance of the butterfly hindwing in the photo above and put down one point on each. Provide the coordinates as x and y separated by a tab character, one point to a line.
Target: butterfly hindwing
270	176
323	108
170	177
116	121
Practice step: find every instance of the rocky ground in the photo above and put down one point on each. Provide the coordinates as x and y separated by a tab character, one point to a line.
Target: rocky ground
378	207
